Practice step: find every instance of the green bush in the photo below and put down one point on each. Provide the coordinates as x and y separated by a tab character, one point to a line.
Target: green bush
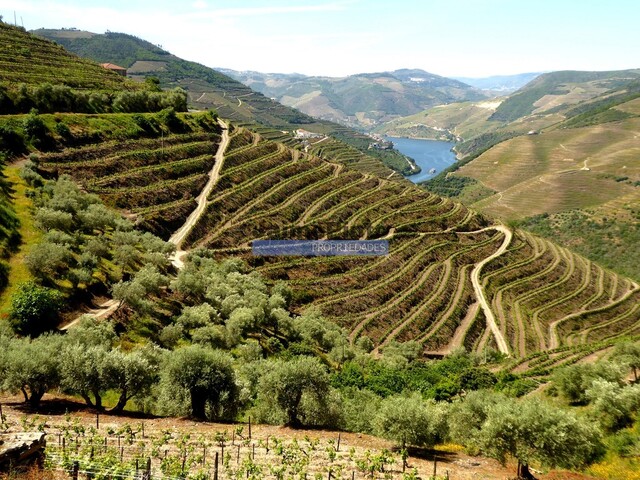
35	309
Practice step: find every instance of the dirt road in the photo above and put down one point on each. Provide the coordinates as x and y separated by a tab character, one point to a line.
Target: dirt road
477	287
178	237
110	306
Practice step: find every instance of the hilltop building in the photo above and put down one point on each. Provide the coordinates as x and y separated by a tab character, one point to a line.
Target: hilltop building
115	68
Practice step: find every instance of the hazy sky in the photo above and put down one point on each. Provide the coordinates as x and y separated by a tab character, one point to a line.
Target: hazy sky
471	38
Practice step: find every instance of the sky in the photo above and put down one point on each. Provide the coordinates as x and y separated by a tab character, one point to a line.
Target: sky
465	38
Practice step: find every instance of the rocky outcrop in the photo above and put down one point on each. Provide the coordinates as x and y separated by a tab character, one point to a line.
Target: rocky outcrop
18	449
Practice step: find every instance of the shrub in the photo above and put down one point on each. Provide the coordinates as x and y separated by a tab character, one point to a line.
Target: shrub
35	309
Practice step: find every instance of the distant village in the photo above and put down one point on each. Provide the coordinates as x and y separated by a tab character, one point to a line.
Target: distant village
379	142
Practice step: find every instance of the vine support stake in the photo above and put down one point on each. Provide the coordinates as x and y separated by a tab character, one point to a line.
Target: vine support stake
215	467
75	470
435	465
249	428
238	456
204	454
338	444
353	475
97	420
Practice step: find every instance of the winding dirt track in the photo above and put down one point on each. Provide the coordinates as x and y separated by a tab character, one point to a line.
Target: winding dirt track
107	308
110	306
477	287
178	237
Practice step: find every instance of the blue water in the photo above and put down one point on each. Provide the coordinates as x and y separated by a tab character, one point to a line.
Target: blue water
427	154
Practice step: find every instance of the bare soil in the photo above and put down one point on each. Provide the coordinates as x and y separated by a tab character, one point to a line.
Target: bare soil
450	459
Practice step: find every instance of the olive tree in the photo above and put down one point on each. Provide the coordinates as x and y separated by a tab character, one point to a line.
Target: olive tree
206	375
81	370
534	432
613	406
31	366
575	380
467	416
411	421
628	353
285	383
131	374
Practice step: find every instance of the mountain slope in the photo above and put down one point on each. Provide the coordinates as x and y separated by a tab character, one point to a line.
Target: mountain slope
362	100
27	59
209	89
553	91
575	179
441	254
502	84
444	261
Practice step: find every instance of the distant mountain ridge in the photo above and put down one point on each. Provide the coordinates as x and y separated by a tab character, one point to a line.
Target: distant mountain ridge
362	100
502	84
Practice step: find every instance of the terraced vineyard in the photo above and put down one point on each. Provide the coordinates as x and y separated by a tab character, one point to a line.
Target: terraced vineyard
25	58
543	297
156	180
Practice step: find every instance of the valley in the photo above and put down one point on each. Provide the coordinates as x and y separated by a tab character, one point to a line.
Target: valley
505	316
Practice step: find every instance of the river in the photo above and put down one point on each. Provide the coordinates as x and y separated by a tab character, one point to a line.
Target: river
428	154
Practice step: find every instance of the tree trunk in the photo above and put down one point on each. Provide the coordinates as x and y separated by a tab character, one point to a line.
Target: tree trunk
122	402
24	392
98	398
523	471
87	399
292	412
198	401
36	396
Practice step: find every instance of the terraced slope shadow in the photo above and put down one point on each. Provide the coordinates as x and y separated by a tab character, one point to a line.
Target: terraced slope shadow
444	264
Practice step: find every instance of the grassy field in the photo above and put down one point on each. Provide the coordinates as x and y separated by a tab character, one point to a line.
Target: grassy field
29	235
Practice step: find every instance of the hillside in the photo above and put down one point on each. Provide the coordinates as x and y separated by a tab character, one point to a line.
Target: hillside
581	185
209	89
30	60
553	91
429	344
423	291
575	179
364	100
453	277
545	102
